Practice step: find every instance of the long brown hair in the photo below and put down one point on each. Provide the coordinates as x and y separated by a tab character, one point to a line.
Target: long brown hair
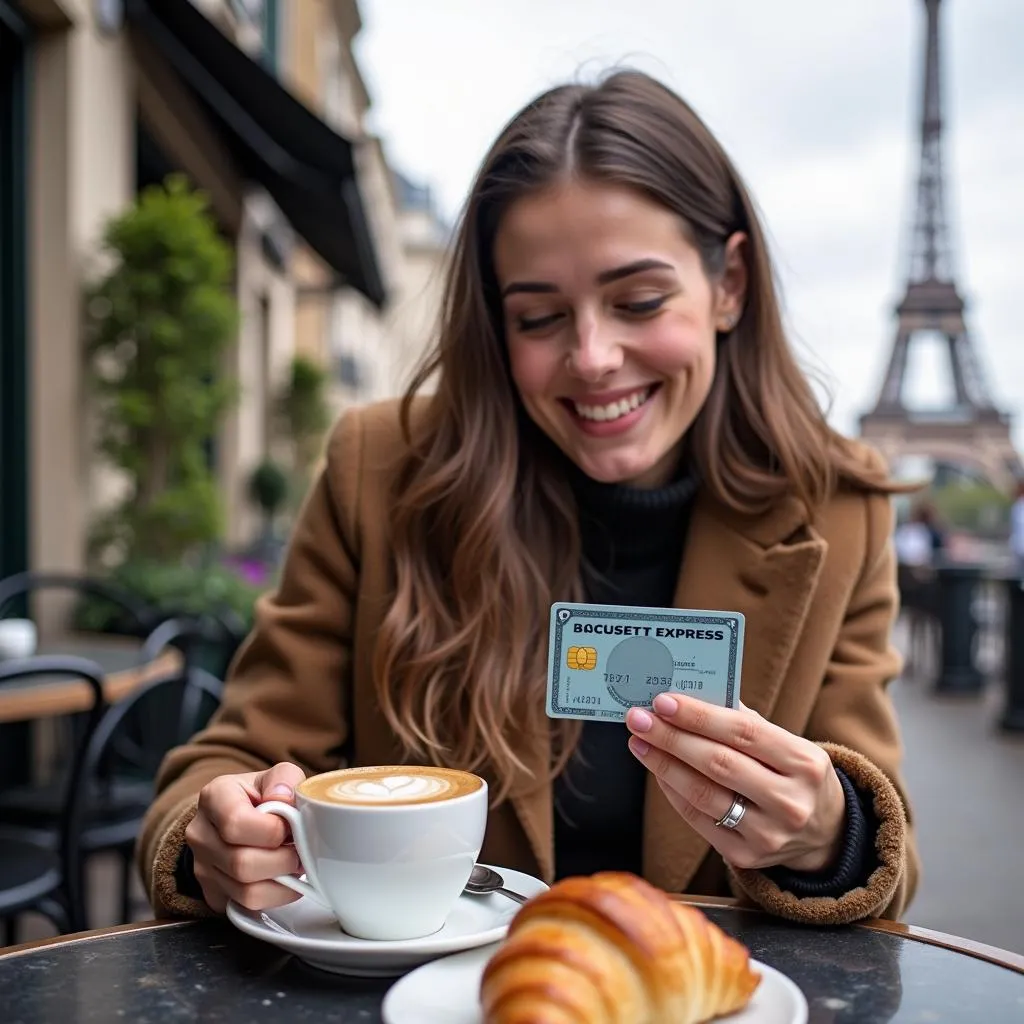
483	525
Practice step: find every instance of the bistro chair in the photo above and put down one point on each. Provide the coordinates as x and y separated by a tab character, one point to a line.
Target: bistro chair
115	778
40	875
208	641
134	616
23	803
138	615
124	780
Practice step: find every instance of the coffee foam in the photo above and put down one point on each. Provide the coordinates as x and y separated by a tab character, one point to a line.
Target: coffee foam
389	786
396	789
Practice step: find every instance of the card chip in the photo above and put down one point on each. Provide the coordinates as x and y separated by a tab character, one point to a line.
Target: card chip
583	659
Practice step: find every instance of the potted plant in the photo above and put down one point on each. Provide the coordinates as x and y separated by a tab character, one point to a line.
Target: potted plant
304	415
268	491
158	322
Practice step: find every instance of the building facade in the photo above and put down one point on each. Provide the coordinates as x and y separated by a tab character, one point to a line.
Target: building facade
370	353
97	100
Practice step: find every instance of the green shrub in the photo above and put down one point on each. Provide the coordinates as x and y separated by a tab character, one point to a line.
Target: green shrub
976	507
158	323
179	590
268	488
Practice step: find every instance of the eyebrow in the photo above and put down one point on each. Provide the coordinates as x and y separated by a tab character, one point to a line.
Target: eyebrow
605	277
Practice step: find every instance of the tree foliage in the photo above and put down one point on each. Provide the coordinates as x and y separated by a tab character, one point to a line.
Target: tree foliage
158	323
977	507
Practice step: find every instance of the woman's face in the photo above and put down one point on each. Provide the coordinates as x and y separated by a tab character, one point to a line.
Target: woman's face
610	323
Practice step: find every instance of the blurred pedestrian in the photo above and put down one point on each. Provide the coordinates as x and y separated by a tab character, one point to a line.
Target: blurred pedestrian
920	544
921	541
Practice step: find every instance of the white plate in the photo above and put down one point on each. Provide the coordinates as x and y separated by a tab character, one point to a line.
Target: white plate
312	934
445	992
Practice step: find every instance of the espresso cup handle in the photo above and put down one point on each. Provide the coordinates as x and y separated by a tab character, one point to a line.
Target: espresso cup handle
294	819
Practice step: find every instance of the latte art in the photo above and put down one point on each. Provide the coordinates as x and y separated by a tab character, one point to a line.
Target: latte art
395	789
389	786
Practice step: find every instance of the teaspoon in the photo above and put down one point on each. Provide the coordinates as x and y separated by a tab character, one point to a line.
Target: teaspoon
486	880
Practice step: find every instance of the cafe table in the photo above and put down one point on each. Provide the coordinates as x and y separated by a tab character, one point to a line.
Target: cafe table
41	697
166	972
29	707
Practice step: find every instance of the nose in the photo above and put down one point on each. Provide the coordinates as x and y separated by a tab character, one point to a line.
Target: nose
595	353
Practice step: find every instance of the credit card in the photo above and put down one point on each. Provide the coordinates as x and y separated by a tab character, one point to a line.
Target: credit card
604	659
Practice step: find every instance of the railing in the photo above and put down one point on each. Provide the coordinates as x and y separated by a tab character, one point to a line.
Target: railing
971	616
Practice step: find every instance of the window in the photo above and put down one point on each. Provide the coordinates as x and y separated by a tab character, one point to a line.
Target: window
265	17
350	371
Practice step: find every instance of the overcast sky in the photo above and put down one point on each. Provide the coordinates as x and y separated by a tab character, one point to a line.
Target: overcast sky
818	105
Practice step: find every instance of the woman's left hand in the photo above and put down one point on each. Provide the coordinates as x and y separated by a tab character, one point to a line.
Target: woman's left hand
703	756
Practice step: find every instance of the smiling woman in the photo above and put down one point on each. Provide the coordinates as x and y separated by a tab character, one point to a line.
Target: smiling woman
608	254
617	417
611	325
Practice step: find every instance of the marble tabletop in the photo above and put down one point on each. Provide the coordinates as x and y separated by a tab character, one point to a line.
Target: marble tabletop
208	971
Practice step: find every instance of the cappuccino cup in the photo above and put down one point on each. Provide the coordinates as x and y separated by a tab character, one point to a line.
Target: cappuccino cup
387	849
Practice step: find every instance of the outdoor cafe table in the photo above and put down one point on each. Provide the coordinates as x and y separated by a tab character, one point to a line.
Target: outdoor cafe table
26	705
207	971
41	697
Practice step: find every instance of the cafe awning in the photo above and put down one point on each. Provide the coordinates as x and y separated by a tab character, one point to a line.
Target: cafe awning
302	162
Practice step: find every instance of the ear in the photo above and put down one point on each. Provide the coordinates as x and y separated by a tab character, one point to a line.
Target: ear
731	286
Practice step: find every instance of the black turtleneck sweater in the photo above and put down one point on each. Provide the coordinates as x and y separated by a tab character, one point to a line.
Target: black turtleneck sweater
632	545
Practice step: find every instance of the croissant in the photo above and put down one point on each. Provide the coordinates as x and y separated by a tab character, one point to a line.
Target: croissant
612	949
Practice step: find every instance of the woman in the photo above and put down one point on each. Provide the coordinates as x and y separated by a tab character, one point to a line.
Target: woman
617	418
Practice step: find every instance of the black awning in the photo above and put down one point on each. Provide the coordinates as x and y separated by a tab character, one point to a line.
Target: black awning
306	166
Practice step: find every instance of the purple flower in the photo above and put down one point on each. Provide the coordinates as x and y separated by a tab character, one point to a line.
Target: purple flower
251	570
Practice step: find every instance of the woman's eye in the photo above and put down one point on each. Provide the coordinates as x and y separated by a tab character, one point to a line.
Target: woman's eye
644	305
537	323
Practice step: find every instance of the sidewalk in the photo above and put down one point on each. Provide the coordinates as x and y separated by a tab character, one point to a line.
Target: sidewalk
966	782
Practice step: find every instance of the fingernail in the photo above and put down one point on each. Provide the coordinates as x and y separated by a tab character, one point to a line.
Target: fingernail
640	747
640	721
281	790
665	704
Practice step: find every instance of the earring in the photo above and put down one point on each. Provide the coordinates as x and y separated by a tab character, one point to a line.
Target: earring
730	322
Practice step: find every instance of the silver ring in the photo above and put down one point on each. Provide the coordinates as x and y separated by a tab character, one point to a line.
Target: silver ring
734	815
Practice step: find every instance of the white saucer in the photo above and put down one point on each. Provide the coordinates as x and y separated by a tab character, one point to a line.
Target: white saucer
312	934
445	992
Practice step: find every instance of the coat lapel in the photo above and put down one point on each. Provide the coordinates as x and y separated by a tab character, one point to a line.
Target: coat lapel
767	568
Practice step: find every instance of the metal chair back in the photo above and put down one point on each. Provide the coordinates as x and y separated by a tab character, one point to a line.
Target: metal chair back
73	808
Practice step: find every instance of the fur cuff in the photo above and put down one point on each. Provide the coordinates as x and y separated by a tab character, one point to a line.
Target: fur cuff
869	900
166	900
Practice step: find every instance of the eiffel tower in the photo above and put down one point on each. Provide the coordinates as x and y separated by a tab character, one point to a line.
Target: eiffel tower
970	433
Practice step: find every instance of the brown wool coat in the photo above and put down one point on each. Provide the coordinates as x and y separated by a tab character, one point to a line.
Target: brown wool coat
819	599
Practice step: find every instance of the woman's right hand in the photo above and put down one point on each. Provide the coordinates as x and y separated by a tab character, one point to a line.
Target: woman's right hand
236	849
